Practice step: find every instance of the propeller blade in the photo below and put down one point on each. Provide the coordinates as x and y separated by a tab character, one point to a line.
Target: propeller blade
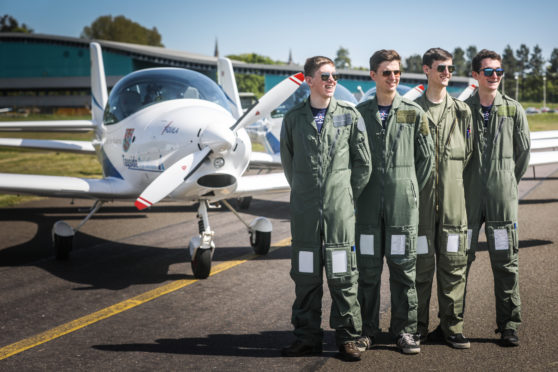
171	178
270	100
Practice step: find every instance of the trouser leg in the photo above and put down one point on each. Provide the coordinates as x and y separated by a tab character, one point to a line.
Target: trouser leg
370	265
424	276
342	279
503	246
306	272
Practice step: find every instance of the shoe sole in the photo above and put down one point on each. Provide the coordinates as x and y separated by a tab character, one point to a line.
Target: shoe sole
410	351
459	345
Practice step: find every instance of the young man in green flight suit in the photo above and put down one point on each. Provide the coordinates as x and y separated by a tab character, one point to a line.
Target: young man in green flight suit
387	210
442	240
326	159
500	158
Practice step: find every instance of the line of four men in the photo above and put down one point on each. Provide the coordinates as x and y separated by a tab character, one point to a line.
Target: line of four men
460	162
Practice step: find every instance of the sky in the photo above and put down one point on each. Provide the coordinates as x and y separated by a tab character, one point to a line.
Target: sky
309	28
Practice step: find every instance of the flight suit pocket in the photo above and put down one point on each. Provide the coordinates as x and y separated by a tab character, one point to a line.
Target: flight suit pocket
305	262
453	245
401	242
425	244
502	240
340	261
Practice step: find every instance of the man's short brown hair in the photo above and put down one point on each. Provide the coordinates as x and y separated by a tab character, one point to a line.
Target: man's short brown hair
314	63
382	56
485	53
435	54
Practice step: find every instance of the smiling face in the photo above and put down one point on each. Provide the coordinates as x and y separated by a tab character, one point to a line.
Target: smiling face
436	78
488	83
320	88
387	77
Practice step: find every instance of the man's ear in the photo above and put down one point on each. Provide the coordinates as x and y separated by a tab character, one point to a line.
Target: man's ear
373	75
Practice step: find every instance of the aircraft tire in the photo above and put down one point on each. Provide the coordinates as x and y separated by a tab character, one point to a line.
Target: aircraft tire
262	243
201	263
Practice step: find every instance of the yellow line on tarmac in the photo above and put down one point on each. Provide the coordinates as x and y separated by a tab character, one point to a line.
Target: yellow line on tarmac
84	321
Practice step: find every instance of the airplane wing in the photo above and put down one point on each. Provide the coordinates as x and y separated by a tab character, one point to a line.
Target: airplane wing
48	126
261	184
543	157
72	187
82	147
260	160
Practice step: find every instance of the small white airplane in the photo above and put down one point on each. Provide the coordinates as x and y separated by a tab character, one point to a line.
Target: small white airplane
162	133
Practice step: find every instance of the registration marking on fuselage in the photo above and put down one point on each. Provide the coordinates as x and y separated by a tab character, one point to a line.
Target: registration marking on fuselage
120	307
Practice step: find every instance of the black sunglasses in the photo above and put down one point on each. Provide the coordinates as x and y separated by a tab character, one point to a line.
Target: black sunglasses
442	68
325	76
386	73
489	71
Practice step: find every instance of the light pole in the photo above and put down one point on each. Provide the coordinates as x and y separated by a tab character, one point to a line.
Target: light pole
516	86
544	90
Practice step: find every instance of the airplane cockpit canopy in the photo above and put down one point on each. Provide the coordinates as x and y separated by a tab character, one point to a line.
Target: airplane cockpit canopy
147	87
341	93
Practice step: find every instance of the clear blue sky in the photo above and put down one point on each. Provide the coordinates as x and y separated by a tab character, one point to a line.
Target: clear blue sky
308	28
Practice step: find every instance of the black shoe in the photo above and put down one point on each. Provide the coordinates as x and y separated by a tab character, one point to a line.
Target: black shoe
436	335
509	337
458	341
349	351
298	348
420	337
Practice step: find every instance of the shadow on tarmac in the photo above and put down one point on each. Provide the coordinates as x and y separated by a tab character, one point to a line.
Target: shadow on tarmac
537	201
483	246
259	345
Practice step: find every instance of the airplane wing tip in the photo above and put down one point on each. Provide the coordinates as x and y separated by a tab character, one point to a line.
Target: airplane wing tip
141	204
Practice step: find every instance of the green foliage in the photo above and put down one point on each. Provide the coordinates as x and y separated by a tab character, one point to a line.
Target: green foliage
413	64
10	24
254	58
471	53
459	62
121	29
250	83
342	60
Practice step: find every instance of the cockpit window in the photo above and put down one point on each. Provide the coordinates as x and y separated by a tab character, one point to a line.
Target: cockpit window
146	87
341	93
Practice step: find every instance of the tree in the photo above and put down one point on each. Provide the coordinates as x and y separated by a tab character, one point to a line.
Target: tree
509	64
553	67
342	60
122	29
459	62
413	64
250	83
522	55
471	53
536	62
10	24
254	58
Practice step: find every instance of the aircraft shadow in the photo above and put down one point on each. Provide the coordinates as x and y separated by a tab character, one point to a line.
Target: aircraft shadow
537	201
259	345
97	263
483	246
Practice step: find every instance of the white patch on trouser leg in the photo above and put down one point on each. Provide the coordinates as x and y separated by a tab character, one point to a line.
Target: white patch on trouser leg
501	242
398	244
367	244
453	243
339	261
469	238
422	245
305	262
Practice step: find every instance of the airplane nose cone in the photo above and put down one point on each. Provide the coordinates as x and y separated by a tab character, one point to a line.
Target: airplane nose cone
218	137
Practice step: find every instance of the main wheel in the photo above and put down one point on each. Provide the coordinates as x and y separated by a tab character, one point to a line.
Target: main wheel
62	246
262	242
201	263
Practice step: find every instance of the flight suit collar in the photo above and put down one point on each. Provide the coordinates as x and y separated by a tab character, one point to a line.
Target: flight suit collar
394	105
329	112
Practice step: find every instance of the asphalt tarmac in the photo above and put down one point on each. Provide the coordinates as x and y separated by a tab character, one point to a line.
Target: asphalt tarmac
127	300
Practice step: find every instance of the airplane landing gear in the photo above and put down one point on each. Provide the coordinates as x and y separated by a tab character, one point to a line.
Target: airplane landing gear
63	234
201	247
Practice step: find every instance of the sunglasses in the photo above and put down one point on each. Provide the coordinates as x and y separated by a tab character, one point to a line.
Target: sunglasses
489	71
325	76
387	73
442	68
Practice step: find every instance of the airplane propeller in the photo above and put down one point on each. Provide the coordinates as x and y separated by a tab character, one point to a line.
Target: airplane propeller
215	139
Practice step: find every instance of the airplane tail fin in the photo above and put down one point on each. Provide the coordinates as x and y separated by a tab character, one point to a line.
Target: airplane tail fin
225	78
99	95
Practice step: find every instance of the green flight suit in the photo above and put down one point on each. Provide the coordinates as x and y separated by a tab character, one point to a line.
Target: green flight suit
500	158
326	170
387	211
442	241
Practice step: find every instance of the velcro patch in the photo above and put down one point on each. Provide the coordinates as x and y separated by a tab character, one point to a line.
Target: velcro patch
507	111
424	129
406	116
342	120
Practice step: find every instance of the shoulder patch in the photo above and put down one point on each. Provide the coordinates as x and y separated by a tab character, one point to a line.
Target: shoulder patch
361	126
406	116
507	110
